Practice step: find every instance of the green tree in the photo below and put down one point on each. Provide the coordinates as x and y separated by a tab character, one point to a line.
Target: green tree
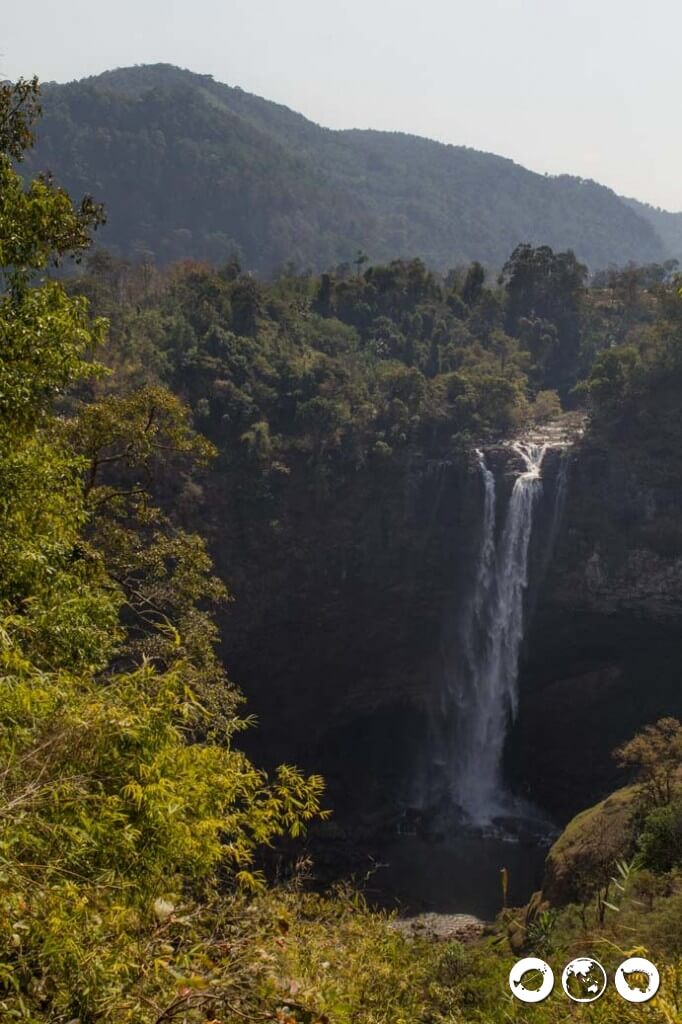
655	755
660	841
112	801
473	284
542	284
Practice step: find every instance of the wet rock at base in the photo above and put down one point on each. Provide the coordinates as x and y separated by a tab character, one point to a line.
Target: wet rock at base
440	927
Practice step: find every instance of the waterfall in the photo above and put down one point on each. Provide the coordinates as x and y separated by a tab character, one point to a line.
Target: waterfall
492	635
486	559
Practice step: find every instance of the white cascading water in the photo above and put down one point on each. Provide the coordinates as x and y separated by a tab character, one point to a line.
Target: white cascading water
486	560
493	631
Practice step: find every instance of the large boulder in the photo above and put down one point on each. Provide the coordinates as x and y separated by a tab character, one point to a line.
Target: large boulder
583	857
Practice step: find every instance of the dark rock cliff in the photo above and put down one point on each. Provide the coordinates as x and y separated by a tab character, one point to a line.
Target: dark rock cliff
335	633
347	601
602	650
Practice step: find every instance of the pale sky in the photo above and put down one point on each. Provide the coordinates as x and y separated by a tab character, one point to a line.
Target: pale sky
586	87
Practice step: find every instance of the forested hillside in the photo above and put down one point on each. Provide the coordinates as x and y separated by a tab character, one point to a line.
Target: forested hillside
191	168
668	226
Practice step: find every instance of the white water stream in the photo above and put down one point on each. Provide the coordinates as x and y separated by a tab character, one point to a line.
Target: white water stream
492	635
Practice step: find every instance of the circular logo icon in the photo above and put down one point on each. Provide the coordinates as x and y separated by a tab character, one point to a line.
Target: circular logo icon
637	980
531	980
584	980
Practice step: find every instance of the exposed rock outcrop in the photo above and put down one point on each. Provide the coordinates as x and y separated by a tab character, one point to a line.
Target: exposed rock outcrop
462	928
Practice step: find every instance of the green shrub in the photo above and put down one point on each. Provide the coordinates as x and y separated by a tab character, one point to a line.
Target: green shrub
661	838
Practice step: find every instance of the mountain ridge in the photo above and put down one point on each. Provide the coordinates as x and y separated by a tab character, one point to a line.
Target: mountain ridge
192	168
666	223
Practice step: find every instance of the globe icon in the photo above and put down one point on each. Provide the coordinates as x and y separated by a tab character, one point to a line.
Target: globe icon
584	980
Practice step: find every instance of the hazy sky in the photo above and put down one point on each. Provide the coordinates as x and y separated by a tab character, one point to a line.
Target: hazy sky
588	87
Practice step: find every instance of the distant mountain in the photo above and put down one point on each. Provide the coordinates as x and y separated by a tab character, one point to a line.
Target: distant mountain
191	168
668	226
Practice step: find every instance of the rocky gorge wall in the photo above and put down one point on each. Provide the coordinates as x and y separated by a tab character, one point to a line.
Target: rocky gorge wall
335	632
347	596
602	651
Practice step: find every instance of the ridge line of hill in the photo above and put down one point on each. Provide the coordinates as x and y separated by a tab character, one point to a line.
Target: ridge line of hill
190	168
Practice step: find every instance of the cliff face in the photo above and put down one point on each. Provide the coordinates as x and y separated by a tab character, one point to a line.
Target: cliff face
347	603
601	654
336	628
345	627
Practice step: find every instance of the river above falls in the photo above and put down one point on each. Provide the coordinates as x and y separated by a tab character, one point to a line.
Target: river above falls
457	875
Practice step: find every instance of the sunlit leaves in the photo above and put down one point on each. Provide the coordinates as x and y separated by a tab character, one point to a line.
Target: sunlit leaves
44	336
111	792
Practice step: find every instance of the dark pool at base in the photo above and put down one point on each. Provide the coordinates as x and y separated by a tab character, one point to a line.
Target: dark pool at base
458	875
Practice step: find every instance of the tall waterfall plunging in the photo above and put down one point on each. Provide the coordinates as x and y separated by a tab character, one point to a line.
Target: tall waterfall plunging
503	507
492	631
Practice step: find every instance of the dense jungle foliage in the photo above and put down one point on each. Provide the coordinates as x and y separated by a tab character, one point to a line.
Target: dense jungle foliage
133	889
371	362
192	168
